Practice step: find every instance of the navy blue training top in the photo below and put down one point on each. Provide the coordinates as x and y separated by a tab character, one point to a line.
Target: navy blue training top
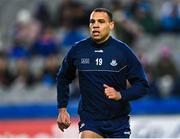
112	63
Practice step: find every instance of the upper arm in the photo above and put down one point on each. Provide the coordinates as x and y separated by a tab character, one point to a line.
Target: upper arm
135	69
68	70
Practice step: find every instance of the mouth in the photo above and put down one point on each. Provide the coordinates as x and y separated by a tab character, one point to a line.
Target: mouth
95	33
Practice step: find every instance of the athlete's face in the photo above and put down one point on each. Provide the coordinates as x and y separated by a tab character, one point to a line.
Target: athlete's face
100	26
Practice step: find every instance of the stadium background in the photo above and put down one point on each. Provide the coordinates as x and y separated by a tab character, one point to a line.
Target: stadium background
36	34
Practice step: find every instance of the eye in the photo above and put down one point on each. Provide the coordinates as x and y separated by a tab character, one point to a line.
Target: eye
101	21
92	21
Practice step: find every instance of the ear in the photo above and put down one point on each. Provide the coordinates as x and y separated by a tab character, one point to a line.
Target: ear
112	25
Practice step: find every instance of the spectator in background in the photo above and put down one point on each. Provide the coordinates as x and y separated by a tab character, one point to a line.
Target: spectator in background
70	37
43	15
71	13
45	44
134	5
63	13
24	33
72	18
170	16
26	28
166	64
153	88
18	50
6	77
126	29
141	12
166	72
23	75
48	76
143	16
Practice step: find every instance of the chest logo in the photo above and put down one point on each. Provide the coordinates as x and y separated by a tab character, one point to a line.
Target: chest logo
113	63
85	60
98	51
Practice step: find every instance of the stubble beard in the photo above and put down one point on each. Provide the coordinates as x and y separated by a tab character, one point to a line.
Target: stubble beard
101	39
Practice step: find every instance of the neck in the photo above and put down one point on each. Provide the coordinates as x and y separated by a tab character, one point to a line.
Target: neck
101	44
101	41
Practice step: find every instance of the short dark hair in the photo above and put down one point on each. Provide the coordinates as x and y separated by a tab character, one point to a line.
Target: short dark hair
106	11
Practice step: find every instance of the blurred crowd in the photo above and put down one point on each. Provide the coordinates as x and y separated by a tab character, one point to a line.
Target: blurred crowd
40	39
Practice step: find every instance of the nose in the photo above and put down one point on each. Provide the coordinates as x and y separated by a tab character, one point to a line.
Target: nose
96	25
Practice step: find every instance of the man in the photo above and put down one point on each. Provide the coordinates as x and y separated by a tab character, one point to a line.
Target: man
104	64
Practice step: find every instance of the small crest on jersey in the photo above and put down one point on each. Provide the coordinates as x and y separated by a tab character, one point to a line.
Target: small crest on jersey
85	60
113	62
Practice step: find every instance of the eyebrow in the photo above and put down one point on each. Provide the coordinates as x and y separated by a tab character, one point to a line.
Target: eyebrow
99	20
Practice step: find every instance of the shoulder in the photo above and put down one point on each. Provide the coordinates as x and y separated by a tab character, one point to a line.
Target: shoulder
121	45
78	45
82	42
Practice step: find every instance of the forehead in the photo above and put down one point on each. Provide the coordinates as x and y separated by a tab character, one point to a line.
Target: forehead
99	15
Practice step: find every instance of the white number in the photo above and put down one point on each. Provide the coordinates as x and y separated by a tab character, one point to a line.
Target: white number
99	61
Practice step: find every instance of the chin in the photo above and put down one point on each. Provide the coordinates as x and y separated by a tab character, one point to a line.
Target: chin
96	38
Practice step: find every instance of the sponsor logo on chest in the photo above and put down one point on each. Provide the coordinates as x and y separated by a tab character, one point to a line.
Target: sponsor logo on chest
98	51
